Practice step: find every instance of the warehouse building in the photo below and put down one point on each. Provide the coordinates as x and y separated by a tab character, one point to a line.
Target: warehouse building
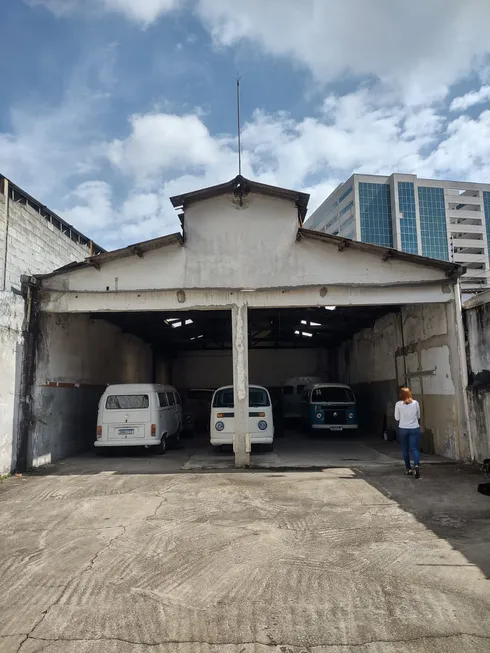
256	298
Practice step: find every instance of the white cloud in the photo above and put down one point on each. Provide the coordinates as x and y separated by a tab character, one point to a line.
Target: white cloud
471	99
141	11
160	142
419	47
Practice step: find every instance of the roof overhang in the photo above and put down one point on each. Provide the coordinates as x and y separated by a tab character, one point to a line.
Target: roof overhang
240	187
451	270
139	249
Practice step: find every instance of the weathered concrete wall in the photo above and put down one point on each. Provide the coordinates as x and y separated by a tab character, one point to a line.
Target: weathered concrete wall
267	367
230	248
416	346
11	319
477	323
76	358
34	246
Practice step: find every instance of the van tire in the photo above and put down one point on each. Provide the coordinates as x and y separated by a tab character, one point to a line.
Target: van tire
161	448
269	447
216	448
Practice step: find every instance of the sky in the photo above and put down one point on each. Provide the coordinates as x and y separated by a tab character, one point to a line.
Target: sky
110	107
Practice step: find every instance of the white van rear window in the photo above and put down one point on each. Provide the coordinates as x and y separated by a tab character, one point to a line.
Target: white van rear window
256	397
127	402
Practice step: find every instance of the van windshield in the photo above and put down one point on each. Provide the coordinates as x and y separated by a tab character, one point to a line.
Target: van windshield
333	395
127	402
257	397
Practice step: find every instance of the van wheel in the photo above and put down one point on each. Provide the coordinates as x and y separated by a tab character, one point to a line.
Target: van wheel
269	447
216	449
162	447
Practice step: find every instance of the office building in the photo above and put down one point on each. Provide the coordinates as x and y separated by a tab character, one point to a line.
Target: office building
447	220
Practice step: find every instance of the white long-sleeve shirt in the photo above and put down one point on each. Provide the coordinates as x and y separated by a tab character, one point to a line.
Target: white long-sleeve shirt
407	415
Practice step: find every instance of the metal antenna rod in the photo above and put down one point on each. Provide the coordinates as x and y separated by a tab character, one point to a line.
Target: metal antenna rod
239	125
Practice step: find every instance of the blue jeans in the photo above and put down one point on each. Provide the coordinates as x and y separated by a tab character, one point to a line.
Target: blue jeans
409	439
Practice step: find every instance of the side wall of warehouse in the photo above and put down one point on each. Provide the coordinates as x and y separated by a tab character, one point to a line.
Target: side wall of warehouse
77	357
477	321
417	346
11	343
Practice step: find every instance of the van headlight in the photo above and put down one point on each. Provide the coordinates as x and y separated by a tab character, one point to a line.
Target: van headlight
351	415
262	425
219	426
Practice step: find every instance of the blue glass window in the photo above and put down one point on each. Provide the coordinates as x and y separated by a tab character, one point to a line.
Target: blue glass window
375	211
486	206
346	208
344	195
433	228
408	217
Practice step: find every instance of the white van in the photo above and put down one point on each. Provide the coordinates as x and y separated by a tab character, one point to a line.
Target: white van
260	420
292	395
139	415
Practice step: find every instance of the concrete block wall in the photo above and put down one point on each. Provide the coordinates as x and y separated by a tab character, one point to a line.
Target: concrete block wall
34	245
477	327
11	319
415	346
77	357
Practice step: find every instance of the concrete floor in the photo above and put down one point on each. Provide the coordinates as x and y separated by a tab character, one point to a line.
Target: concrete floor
293	451
97	560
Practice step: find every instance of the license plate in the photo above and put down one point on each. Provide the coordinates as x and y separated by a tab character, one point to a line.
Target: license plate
336	428
126	431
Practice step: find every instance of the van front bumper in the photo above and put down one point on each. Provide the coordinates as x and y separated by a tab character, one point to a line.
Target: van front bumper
227	438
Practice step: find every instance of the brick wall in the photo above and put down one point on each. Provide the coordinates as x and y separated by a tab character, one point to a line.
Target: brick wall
34	245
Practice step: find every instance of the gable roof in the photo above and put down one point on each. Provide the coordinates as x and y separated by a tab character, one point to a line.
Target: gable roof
240	186
137	249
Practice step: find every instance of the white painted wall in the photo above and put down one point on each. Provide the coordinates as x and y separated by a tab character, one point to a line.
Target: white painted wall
254	247
11	318
267	367
91	353
374	362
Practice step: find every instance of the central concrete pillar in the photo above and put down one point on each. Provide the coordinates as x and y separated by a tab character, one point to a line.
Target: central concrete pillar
241	438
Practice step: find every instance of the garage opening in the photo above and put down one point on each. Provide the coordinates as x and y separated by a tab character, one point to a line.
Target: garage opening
364	347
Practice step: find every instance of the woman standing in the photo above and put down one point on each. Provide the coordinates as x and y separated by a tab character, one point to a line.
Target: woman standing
407	414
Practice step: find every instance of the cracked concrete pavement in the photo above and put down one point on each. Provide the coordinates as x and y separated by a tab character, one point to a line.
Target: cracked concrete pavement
338	560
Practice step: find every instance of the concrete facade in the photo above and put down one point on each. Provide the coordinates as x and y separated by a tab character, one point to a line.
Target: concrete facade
241	252
77	357
477	322
11	340
415	347
33	240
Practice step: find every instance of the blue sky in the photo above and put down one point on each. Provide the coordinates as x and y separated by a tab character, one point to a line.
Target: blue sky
108	107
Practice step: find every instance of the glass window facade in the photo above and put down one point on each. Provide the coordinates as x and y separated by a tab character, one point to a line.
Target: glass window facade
344	195
375	212
486	206
346	208
408	217
433	228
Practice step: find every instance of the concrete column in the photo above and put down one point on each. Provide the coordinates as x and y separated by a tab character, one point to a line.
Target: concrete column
241	438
